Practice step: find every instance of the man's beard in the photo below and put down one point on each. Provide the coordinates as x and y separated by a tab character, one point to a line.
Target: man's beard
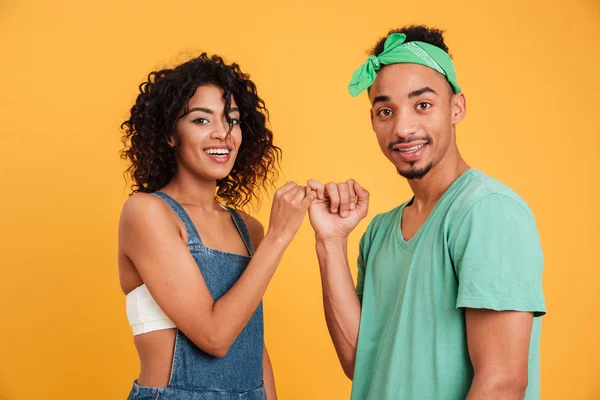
415	173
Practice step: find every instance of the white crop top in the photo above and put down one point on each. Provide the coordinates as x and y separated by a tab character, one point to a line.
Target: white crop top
143	313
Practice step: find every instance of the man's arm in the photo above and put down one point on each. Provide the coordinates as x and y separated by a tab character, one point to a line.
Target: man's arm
499	262
335	213
499	347
340	301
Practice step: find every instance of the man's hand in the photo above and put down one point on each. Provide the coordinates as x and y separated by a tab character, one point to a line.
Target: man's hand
339	207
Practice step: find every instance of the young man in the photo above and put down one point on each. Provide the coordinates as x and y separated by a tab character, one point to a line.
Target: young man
449	290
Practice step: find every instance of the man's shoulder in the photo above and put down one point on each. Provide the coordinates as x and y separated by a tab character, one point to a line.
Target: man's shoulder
489	194
481	188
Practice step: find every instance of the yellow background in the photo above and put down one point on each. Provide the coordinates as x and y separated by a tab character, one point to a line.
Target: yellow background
70	71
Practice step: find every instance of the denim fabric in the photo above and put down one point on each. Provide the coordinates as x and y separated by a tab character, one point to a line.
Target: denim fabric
168	393
196	375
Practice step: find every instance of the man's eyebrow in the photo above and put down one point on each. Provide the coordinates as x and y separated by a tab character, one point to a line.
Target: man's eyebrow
381	99
417	93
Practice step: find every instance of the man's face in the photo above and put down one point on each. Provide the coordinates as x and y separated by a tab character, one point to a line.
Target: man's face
413	114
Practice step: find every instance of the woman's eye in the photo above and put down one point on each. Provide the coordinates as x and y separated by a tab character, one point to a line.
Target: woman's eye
201	121
235	121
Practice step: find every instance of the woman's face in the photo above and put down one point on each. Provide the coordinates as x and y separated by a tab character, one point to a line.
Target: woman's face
207	145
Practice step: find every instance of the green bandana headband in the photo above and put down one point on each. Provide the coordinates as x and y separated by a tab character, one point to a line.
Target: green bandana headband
396	51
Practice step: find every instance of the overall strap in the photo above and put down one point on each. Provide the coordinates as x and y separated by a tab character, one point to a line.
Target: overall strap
242	229
192	232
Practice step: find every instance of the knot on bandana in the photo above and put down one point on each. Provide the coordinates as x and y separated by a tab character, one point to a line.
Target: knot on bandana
375	61
395	51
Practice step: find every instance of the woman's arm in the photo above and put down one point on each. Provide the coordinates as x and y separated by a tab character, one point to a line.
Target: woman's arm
148	236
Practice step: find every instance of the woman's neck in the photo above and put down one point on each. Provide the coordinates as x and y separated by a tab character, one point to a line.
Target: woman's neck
191	190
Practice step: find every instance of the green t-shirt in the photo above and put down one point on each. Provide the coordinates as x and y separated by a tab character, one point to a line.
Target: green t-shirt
479	248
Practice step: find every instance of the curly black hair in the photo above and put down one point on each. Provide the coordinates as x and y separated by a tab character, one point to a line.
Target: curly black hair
161	101
414	33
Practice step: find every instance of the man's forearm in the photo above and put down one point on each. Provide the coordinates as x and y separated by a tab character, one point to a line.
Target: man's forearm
340	301
497	387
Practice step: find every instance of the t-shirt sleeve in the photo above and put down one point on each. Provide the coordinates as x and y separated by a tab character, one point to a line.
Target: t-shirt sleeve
498	257
360	278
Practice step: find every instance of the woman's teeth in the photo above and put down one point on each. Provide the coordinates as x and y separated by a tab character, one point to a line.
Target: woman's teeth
217	152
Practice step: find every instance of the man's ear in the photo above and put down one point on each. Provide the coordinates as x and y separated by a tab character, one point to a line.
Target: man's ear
459	107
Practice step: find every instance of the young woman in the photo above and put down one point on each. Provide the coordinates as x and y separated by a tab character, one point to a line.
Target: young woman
193	267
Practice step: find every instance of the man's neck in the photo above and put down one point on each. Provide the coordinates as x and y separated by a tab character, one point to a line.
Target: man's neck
432	186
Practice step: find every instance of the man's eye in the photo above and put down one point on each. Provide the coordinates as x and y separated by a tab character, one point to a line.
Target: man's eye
385	112
423	106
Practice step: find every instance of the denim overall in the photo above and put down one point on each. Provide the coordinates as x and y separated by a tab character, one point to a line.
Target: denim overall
196	375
